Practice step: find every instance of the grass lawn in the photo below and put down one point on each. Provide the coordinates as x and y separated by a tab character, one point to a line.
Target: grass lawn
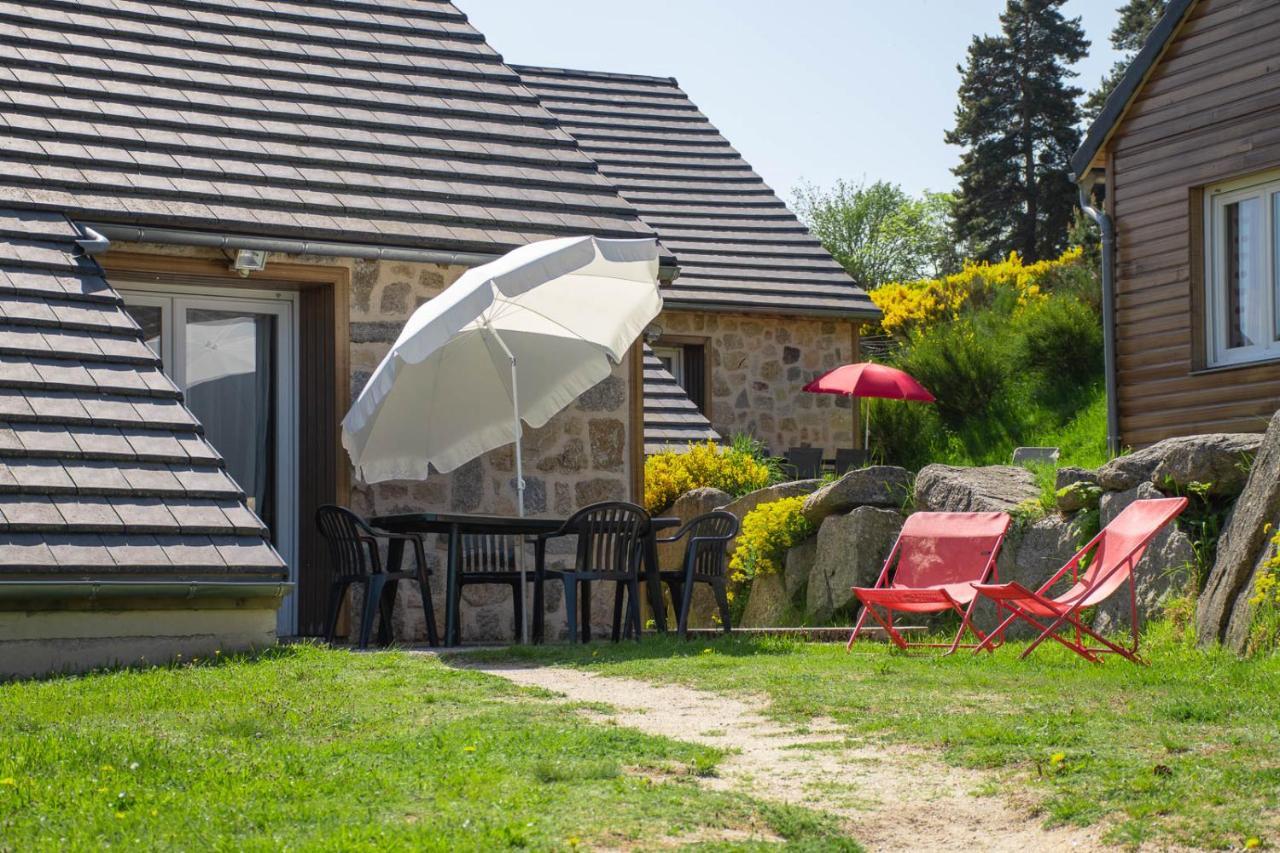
1186	751
314	749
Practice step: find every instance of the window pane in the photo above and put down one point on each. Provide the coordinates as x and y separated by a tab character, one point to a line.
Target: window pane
230	385
149	317
1275	272
1243	272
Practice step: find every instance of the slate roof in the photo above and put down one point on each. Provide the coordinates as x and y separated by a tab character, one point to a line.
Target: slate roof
671	420
737	244
1130	83
103	471
388	123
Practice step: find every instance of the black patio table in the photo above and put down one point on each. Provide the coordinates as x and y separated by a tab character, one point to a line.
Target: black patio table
454	525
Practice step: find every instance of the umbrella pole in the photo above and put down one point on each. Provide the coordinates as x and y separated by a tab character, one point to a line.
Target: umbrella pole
515	409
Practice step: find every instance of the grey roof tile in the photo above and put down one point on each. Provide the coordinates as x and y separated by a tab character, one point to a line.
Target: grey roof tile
44	476
28	512
693	188
144	515
81	513
97	478
80	551
138	551
24	552
278	129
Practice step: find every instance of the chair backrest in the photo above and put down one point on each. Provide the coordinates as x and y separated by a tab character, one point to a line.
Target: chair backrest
347	535
489	553
848	457
708	541
1035	455
936	548
1120	546
611	537
806	461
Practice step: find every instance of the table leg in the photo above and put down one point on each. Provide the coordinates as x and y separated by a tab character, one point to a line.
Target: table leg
395	562
654	582
452	618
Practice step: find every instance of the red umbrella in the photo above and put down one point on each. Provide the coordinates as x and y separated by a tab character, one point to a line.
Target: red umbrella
868	379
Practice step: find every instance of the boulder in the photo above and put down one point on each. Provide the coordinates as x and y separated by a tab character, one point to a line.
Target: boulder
1030	555
1078	496
1219	459
879	485
743	505
1163	572
851	550
1224	612
995	488
688	506
797	566
767	602
1070	475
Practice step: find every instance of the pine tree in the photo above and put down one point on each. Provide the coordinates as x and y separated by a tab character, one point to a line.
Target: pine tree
1017	121
1137	19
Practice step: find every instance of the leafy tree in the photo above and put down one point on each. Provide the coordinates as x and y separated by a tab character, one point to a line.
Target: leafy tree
878	232
1137	19
1017	121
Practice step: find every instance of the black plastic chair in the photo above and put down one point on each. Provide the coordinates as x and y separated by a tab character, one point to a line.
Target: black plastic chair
804	463
705	561
611	542
354	546
847	458
492	558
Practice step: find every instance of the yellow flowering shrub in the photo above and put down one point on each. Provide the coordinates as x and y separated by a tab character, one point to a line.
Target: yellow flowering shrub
767	532
669	475
1264	633
919	304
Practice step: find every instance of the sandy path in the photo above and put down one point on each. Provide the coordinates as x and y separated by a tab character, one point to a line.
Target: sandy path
891	798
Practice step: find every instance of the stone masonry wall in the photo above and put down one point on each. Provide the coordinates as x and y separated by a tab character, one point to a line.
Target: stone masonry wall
578	458
758	366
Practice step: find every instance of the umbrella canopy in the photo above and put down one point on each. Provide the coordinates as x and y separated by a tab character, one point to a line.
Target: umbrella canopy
515	339
867	379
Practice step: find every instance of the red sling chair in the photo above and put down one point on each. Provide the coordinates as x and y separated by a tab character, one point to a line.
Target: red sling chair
1115	551
938	558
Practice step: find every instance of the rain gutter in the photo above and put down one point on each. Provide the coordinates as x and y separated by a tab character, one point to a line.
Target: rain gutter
140	234
101	233
1107	227
93	590
869	314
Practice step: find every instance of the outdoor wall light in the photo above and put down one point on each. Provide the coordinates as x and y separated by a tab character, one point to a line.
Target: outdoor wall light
652	333
249	260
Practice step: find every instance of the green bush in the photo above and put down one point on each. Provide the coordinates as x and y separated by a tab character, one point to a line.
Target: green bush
1061	338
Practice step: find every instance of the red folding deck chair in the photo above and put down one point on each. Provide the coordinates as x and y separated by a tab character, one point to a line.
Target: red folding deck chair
1115	551
938	558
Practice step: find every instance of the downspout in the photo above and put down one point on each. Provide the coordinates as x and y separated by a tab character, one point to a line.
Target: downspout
1107	227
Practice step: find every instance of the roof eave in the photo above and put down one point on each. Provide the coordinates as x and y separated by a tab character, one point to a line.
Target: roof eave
870	314
1130	84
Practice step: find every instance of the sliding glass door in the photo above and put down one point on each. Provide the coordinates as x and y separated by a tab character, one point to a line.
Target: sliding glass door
233	355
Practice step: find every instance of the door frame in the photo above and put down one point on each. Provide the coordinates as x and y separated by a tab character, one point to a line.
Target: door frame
174	300
324	365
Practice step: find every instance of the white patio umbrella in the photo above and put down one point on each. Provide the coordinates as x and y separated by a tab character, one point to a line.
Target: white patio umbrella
517	339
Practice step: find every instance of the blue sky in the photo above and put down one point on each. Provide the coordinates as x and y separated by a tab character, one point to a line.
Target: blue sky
807	89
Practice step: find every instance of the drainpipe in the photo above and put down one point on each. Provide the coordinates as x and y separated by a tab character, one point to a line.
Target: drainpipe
1107	227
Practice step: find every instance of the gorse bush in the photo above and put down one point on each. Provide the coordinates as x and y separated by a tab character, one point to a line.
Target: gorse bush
737	470
767	532
1013	354
1061	336
927	302
1264	628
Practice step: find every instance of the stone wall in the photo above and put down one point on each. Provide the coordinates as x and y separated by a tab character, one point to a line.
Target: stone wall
578	458
758	366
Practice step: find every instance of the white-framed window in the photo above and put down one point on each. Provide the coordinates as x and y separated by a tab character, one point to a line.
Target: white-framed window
1242	275
672	359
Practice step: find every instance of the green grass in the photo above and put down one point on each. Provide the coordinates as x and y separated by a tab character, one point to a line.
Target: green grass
305	748
1185	751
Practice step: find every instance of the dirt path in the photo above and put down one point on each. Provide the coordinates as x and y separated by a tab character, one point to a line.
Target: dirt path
891	798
